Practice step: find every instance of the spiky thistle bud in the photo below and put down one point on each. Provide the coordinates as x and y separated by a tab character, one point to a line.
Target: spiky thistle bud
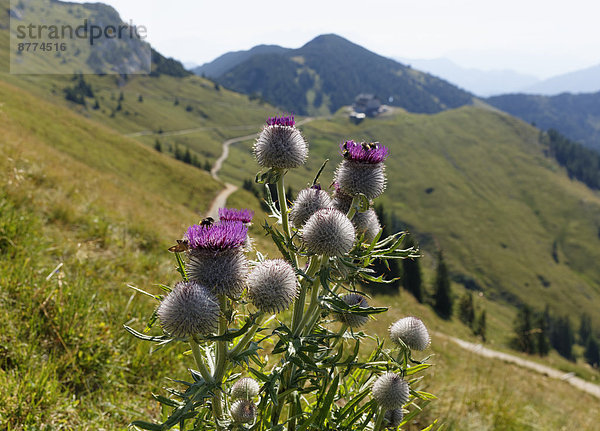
353	320
341	200
367	223
280	144
362	170
272	285
390	391
233	214
245	389
393	418
328	232
412	332
243	411
189	309
308	202
216	258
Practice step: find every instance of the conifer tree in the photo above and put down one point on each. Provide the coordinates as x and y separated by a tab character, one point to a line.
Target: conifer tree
391	269
542	343
466	310
480	328
523	331
411	273
585	329
178	155
592	352
187	157
562	337
442	297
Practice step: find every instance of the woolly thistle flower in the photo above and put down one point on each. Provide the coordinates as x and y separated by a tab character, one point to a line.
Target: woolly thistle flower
362	170
217	237
390	391
328	232
308	202
189	309
367	223
412	332
272	285
243	411
245	389
353	320
232	214
393	418
280	144
216	258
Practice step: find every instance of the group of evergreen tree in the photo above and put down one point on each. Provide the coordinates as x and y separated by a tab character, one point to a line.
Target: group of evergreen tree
468	315
589	341
442	297
80	89
408	271
581	163
185	156
390	270
167	66
538	332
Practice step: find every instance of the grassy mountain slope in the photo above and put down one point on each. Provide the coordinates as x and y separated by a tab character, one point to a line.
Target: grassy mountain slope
575	115
185	112
329	72
76	194
477	184
200	113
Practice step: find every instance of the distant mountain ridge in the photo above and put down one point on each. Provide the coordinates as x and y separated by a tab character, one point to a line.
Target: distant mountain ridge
329	72
580	81
480	82
575	115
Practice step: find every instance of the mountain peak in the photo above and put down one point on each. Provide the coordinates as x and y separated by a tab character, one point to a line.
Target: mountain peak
329	40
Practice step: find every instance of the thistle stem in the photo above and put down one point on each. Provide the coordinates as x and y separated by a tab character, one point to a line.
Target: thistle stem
379	419
299	318
283	209
200	362
339	336
245	341
221	360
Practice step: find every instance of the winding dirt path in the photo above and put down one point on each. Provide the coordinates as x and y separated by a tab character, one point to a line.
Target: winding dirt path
478	349
221	199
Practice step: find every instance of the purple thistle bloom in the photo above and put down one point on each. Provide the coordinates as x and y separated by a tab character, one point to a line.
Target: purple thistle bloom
372	153
287	120
232	214
221	236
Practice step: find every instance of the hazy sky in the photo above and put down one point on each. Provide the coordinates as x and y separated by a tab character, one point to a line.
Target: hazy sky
537	37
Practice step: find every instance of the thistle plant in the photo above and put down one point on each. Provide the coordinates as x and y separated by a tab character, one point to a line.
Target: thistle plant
283	342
